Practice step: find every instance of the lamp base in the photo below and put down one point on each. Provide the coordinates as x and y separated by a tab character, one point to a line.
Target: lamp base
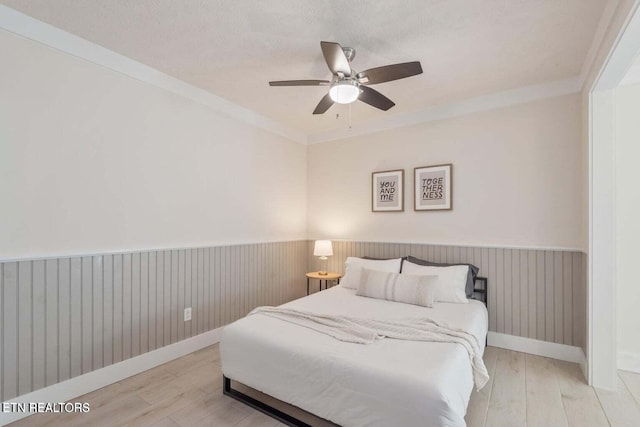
322	273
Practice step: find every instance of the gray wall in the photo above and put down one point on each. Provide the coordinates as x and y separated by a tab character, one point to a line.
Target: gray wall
64	317
538	294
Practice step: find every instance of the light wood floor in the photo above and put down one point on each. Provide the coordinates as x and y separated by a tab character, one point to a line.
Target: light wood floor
524	390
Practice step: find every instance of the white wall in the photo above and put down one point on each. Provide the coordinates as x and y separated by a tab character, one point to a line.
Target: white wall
93	161
517	179
627	225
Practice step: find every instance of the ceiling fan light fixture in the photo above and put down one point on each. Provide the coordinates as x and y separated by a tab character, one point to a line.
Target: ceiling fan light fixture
344	91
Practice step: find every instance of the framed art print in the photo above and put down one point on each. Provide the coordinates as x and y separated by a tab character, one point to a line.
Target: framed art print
432	186
387	191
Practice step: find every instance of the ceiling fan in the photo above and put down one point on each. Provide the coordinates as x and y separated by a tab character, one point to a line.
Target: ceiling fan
347	86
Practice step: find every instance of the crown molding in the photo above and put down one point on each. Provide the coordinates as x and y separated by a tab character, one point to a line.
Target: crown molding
472	105
596	42
616	34
33	29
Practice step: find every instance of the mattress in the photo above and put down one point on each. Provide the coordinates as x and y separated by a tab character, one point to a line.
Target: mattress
387	383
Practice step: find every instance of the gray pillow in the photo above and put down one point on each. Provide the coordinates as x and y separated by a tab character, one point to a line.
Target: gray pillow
471	276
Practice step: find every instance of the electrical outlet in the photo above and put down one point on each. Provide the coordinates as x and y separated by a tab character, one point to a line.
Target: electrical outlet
187	314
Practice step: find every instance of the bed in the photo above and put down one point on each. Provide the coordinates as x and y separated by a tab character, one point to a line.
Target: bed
390	382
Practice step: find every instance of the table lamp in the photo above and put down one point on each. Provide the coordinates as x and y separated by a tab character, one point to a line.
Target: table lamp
323	249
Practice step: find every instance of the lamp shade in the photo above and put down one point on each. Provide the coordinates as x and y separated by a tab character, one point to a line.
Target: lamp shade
323	248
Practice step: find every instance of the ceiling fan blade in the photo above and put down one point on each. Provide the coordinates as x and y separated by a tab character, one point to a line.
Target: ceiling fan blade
335	57
388	73
325	103
375	98
300	83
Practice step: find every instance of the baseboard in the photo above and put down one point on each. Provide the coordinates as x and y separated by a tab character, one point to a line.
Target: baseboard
629	361
584	367
540	348
86	383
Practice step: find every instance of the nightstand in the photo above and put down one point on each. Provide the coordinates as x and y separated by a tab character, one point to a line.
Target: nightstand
321	277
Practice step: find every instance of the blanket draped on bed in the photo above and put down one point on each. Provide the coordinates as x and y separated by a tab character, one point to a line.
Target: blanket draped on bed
366	331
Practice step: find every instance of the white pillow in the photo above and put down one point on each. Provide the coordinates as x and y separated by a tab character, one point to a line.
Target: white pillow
406	288
353	267
451	282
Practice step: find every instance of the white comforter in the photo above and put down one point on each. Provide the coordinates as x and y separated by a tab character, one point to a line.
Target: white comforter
387	383
358	330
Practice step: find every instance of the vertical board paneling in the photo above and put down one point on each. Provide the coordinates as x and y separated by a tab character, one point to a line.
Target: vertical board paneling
492	260
193	293
97	295
508	289
212	287
558	291
233	283
579	288
51	313
188	277
126	306
217	288
117	308
524	293
500	293
75	363
67	316
87	315
532	285
107	309
167	312
200	295
160	299
224	281
64	319
39	324
135	304
231	287
181	293
516	283
541	299
153	300
24	327
10	329
567	283
175	317
144	302
549	296
205	291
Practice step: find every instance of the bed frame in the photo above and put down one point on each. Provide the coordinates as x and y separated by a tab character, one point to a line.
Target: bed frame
479	293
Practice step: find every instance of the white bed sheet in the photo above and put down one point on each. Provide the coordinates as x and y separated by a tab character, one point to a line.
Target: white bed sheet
387	383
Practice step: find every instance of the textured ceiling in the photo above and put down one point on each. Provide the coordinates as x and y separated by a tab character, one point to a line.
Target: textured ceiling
233	48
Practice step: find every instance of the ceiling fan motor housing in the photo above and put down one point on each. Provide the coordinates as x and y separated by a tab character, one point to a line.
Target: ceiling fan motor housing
349	52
